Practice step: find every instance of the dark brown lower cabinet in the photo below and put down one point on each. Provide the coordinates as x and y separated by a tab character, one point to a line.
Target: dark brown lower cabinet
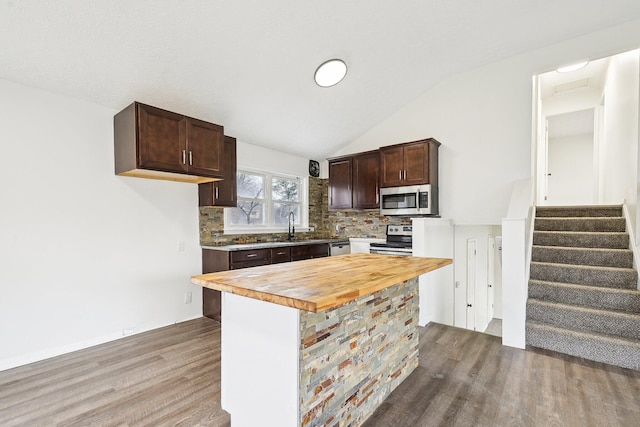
218	260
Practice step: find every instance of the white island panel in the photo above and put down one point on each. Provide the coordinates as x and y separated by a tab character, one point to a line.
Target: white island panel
260	354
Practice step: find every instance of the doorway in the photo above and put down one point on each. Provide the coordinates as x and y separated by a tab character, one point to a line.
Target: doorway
472	253
571	174
586	133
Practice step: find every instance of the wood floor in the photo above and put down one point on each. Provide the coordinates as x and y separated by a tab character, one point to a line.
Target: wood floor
165	377
171	376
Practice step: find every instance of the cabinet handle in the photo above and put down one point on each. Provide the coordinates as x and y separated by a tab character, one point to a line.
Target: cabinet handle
400	171
252	255
190	158
280	253
216	192
405	174
377	195
184	157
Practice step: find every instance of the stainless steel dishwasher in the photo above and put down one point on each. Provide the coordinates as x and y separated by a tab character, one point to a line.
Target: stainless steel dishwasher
339	248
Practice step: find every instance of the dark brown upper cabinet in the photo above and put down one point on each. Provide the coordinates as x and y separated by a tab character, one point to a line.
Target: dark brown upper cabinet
354	181
366	173
412	163
154	143
222	193
340	182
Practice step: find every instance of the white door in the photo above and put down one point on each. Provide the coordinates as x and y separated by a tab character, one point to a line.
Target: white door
472	253
570	163
491	276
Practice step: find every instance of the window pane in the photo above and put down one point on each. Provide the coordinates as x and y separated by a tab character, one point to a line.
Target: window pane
282	210
284	189
250	186
248	212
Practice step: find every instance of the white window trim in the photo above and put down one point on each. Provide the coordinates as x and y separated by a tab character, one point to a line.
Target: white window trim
302	223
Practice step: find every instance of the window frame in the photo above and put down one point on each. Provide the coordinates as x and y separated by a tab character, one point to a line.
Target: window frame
269	226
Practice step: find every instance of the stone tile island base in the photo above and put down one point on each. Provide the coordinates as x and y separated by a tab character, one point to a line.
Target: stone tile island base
287	367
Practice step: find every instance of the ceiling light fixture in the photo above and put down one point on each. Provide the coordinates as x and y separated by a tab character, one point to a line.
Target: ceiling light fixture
572	67
330	72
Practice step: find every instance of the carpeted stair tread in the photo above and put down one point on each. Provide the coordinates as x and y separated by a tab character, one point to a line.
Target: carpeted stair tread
622	258
584	318
577	211
583	298
626	300
594	224
611	277
603	348
611	240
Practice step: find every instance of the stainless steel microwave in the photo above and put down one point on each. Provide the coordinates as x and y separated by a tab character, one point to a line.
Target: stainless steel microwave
410	200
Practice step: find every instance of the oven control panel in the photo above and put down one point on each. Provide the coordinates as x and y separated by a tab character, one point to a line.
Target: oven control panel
399	230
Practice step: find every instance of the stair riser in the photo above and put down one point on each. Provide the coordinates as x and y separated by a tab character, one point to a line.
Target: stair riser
586	320
596	240
594	297
607	258
579	212
625	355
580	224
626	279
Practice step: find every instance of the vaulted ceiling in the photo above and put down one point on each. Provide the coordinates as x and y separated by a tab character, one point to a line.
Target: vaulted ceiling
249	64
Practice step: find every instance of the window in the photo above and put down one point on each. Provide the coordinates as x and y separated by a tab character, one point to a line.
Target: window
265	201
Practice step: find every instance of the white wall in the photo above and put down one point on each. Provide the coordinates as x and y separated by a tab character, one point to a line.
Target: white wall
433	237
84	253
483	120
259	158
620	145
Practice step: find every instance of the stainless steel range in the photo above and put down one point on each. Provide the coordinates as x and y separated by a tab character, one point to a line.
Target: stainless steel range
399	241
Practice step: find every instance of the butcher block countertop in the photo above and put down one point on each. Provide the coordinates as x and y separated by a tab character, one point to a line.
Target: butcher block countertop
323	283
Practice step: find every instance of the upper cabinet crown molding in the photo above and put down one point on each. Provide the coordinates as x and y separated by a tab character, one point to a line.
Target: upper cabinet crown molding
154	143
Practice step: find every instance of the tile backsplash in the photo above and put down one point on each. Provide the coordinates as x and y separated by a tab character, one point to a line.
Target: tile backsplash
328	224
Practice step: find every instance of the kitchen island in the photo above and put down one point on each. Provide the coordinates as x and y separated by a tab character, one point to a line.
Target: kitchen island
317	342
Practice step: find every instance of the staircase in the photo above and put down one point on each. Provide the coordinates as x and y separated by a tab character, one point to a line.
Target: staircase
583	297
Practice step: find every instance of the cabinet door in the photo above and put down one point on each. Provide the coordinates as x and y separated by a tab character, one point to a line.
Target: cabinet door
279	255
366	170
252	255
222	193
416	163
161	139
213	261
391	166
226	190
301	252
340	183
204	149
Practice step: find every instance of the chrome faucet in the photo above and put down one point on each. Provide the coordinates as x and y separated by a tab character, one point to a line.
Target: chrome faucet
292	228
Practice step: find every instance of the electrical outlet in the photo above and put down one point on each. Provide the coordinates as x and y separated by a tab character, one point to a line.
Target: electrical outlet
187	297
180	245
312	229
128	331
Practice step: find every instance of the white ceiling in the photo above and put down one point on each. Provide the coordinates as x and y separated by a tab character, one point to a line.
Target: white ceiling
248	65
590	77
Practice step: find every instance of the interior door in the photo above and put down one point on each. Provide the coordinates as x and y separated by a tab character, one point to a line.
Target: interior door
570	154
491	276
472	252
